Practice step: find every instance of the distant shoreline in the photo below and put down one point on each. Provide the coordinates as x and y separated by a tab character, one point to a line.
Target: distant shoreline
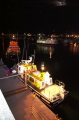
45	44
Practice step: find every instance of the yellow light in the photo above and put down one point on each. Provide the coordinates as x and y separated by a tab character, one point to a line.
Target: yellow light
42	66
75	45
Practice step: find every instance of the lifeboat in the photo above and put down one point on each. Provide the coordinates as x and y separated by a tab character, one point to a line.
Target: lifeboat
13	49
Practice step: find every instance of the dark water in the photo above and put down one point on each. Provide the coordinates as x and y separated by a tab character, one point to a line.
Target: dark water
62	62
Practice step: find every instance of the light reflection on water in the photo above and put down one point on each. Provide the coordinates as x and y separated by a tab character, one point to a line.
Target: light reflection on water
63	65
74	48
46	49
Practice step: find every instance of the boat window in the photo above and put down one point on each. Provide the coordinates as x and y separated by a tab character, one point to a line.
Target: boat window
19	68
42	83
50	80
31	79
41	75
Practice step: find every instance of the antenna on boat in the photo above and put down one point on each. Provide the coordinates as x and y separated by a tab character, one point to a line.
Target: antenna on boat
18	59
24	47
26	54
34	54
23	54
18	56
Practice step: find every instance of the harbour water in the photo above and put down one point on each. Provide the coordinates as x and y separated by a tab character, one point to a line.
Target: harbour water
62	62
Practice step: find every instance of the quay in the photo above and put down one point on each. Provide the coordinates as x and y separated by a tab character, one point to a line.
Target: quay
21	101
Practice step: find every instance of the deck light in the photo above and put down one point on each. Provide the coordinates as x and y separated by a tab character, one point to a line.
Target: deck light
42	66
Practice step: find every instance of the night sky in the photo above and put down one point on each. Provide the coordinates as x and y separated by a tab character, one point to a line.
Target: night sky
44	16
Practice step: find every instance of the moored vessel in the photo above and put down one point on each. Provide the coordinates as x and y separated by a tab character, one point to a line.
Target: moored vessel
40	83
48	41
13	50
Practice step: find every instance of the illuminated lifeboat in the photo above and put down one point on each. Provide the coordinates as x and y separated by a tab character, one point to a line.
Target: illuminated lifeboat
13	48
41	83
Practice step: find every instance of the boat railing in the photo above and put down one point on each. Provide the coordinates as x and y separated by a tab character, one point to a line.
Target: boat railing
59	83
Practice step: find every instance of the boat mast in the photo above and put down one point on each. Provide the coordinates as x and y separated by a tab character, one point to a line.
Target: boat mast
34	54
23	54
26	54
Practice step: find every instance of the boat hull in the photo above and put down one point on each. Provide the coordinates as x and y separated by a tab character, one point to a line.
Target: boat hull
12	56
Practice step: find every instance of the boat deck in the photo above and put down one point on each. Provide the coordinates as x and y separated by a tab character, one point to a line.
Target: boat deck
51	91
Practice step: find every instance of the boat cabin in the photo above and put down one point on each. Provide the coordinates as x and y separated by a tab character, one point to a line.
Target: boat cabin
35	77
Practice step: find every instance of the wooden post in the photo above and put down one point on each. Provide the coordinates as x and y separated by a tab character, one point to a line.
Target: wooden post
25	78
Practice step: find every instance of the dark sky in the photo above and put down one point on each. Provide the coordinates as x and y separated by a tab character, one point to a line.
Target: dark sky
36	16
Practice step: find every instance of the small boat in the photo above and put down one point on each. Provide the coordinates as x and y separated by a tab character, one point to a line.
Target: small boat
41	84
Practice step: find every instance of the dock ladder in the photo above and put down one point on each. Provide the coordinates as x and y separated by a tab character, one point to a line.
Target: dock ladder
36	114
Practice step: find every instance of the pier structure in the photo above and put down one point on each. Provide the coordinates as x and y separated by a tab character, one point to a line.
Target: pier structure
21	101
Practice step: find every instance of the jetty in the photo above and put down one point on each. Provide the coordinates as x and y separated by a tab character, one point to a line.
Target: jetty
22	103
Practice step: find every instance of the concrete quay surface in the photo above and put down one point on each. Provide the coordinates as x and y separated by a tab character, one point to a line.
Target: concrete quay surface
24	105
